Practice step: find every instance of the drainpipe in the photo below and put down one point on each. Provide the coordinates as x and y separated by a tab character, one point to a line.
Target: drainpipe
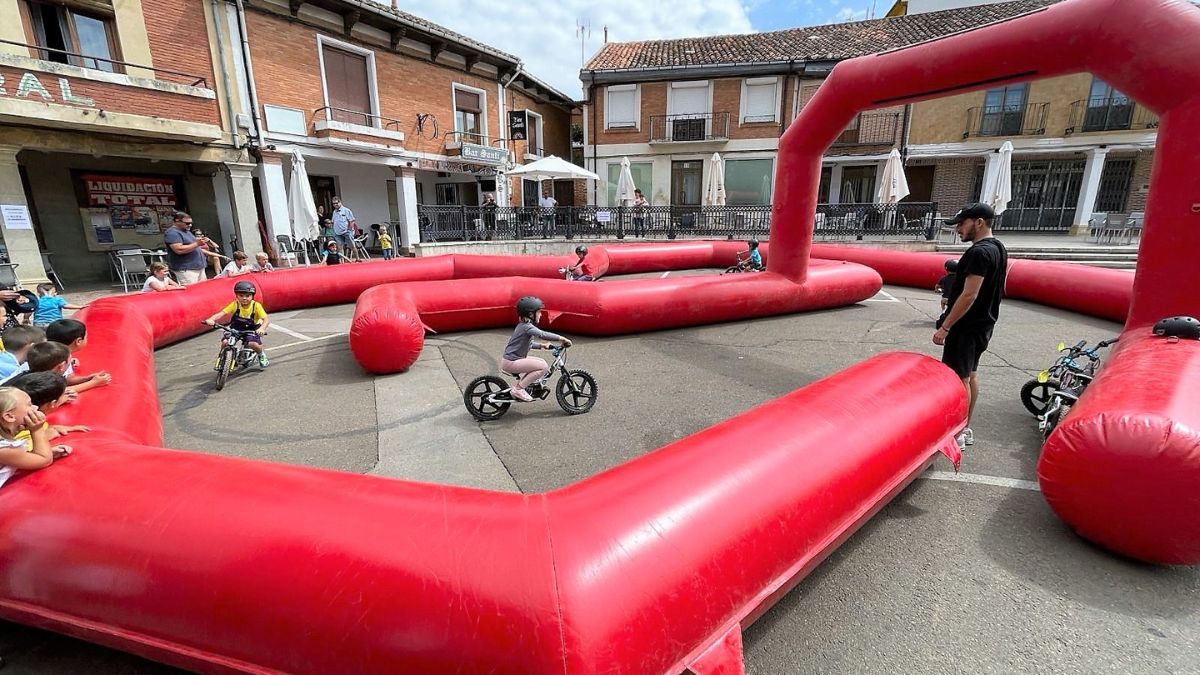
229	110
595	139
783	102
906	126
242	33
502	126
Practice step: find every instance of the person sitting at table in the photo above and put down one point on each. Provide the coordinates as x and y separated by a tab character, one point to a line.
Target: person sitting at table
238	266
159	280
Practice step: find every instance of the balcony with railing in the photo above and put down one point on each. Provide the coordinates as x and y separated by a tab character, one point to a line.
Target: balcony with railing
1118	113
1007	120
871	129
331	121
689	128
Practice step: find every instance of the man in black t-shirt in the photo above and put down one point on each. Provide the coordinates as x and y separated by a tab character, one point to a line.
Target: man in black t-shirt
974	303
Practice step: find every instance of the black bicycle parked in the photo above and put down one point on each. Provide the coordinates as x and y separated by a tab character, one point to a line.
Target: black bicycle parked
1050	395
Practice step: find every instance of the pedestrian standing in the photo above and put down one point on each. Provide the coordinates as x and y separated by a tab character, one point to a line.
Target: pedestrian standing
344	227
548	204
974	302
639	214
184	255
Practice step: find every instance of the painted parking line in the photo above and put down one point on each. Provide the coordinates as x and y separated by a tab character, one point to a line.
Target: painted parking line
980	479
887	297
288	331
305	341
664	274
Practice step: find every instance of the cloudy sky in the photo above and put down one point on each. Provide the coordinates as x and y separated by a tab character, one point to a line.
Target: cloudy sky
543	32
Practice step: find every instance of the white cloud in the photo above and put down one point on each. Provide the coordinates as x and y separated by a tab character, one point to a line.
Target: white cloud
849	14
542	33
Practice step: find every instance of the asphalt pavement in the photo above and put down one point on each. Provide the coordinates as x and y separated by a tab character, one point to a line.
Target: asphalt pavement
959	574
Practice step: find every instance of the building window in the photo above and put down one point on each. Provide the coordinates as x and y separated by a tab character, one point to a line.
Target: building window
447	194
75	36
534	146
1107	108
1004	110
687	181
858	185
621	107
643	178
469	119
347	79
760	100
748	181
823	186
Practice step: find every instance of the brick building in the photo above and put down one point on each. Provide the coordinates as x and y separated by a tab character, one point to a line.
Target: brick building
668	105
110	118
391	111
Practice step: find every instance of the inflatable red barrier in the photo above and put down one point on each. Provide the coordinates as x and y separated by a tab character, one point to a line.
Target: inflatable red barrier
223	564
390	313
1146	49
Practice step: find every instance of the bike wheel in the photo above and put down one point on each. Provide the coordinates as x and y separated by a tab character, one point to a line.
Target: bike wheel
1035	396
476	398
224	365
576	392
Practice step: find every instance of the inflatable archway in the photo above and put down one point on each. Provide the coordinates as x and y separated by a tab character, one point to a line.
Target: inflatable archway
1123	469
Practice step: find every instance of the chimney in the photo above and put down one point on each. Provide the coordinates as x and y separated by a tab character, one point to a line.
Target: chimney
394	5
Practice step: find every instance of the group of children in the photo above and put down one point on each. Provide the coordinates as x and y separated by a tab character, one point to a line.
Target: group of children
38	375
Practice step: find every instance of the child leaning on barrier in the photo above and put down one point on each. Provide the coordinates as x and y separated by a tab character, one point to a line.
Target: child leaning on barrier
248	316
73	334
516	359
18	413
17	341
943	286
47	391
159	280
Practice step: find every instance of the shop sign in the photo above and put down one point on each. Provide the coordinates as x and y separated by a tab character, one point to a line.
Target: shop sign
145	204
518	124
29	85
483	154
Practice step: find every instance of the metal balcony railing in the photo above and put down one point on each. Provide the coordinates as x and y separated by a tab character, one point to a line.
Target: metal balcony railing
365	119
1007	120
115	66
1116	113
871	129
689	127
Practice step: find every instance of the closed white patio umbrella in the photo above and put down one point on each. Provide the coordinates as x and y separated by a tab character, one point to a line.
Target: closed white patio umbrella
625	186
301	209
998	191
714	192
894	185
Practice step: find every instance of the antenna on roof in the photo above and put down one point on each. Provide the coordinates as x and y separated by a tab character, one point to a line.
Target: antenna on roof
606	35
583	31
871	15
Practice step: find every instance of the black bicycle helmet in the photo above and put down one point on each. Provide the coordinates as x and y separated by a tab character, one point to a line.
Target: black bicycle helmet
1185	327
529	304
581	250
244	287
753	243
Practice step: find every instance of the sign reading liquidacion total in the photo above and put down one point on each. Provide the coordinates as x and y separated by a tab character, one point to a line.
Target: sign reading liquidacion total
29	86
129	190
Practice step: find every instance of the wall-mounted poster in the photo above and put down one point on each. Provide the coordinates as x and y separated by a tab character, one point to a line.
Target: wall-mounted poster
145	220
121	217
101	225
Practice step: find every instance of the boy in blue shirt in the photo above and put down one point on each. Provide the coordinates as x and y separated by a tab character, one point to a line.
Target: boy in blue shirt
17	341
50	305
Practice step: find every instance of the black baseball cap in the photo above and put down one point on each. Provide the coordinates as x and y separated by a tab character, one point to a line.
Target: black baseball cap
976	210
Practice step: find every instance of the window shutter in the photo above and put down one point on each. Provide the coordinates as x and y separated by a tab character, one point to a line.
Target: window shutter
689	100
622	107
467	101
760	102
347	86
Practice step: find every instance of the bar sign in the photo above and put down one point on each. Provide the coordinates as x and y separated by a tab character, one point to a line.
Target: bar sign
518	125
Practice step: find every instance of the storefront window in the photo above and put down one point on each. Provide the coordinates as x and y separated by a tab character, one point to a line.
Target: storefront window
748	181
642	173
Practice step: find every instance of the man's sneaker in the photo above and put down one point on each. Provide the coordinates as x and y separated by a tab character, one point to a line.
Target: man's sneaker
961	442
521	395
968	436
263	361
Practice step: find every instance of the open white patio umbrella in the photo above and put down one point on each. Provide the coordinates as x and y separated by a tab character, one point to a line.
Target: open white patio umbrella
714	193
998	192
625	186
301	208
551	168
894	185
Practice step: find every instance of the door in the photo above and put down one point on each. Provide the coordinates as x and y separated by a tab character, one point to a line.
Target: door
347	86
323	190
1044	195
920	183
687	182
564	192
